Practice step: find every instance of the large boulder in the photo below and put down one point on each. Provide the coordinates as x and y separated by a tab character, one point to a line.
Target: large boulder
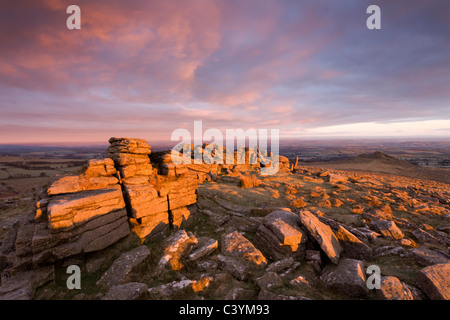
425	237
426	257
435	281
126	268
322	234
353	247
75	223
393	289
98	175
68	211
128	145
236	245
280	235
348	277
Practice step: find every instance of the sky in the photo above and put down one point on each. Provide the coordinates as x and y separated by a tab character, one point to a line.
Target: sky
144	68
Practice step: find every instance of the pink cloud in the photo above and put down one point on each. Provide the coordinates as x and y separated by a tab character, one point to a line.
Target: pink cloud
151	66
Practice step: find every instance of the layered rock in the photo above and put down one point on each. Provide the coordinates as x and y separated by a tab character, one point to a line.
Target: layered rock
283	164
138	179
207	161
157	197
99	174
91	211
79	214
164	161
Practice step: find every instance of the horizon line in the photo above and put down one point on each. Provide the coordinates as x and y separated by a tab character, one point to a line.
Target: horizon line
166	141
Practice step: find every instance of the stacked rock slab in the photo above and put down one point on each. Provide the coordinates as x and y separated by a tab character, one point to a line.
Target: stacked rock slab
199	169
79	214
207	161
178	182
146	204
165	164
156	198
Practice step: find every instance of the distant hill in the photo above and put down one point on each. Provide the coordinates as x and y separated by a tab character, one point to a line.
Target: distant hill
380	162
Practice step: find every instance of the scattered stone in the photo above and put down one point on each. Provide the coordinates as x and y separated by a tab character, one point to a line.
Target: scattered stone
336	178
236	245
369	234
280	265
280	235
322	234
178	245
377	214
205	246
243	224
323	173
262	212
352	247
408	243
289	271
298	203
300	281
393	289
234	267
127	291
387	228
125	268
426	257
288	233
269	280
347	277
435	281
388	251
207	265
334	225
337	203
425	237
313	258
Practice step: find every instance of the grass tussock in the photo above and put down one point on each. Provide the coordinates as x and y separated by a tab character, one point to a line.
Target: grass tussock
248	181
